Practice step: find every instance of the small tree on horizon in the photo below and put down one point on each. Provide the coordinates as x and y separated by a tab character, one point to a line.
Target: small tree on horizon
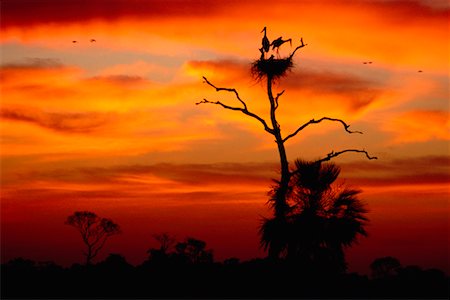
94	231
272	68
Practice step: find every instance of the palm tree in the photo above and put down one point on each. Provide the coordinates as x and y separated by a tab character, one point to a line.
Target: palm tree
322	220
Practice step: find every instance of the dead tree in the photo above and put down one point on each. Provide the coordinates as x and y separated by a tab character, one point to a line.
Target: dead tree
271	69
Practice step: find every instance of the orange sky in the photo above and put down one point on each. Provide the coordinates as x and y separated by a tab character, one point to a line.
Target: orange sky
112	126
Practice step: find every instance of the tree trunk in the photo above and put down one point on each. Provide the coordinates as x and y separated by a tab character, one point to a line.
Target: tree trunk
280	205
89	256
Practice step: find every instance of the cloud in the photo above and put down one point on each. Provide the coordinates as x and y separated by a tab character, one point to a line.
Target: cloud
35	63
411	171
355	91
25	12
419	126
62	122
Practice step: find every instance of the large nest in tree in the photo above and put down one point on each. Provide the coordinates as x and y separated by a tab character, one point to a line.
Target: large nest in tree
274	68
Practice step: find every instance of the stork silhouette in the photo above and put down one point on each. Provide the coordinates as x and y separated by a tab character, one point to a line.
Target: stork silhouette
278	42
265	40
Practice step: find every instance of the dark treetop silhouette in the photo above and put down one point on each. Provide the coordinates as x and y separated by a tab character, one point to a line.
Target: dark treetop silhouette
273	69
94	231
323	218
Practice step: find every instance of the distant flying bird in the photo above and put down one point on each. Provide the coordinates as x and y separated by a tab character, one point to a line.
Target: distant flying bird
367	62
92	40
265	41
278	42
74	42
420	71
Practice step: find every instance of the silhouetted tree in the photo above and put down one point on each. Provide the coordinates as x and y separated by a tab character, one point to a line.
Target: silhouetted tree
94	231
384	267
321	221
161	255
194	251
272	69
166	241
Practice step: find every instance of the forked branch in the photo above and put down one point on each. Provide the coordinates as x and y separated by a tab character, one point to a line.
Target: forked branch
244	110
346	126
298	47
277	97
218	89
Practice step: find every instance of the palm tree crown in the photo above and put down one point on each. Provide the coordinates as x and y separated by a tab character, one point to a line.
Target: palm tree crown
323	219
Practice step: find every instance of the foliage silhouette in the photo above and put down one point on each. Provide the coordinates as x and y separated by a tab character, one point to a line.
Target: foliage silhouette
384	267
323	219
94	231
271	69
115	278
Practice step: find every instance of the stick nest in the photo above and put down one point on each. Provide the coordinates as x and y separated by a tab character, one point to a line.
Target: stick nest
274	68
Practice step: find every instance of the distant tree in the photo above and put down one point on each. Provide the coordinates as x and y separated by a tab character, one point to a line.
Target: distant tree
161	254
384	267
94	231
271	67
115	263
194	251
322	219
166	241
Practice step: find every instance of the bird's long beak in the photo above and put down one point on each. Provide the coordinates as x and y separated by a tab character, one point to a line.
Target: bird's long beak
264	29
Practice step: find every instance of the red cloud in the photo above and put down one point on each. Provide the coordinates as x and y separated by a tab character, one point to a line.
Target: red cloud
26	13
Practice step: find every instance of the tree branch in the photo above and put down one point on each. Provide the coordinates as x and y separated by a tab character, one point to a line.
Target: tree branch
276	98
243	110
312	121
218	89
295	50
334	154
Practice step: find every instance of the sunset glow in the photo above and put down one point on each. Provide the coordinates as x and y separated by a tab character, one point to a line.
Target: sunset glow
111	125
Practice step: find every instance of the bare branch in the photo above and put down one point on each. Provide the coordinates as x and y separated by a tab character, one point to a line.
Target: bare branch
295	50
276	98
243	110
312	121
218	89
334	154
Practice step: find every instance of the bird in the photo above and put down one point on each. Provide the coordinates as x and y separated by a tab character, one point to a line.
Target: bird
265	40
74	42
278	42
367	62
93	40
262	53
420	71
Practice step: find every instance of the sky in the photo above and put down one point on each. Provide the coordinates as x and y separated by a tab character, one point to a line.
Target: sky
111	125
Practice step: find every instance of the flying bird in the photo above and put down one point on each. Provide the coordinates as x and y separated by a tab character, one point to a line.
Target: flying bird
93	40
420	71
278	42
74	42
265	41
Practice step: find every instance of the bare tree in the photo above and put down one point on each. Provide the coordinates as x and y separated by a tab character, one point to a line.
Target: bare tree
271	69
165	240
94	231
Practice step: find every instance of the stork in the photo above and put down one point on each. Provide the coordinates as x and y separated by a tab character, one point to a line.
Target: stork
265	40
278	42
